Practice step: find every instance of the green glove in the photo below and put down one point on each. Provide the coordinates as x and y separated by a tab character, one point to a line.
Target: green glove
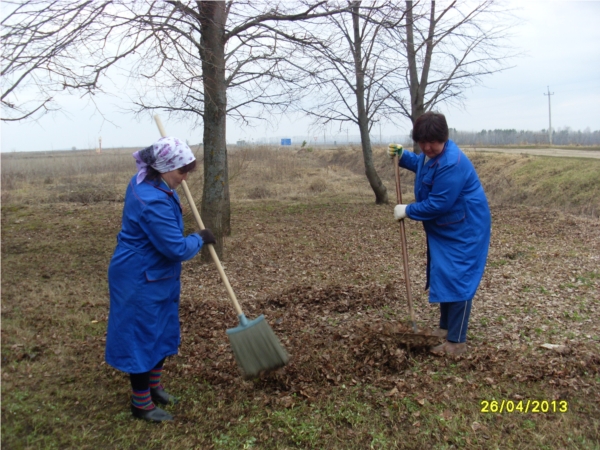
395	149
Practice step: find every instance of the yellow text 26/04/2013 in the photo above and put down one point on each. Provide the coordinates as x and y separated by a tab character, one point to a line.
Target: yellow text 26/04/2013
524	406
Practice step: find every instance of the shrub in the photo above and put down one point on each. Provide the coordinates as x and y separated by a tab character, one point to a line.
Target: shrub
259	192
317	186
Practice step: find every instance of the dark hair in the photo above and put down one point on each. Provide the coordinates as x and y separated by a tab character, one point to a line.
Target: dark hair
188	168
430	127
153	174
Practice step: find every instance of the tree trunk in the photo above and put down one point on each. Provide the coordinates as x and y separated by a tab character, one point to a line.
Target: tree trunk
379	189
417	110
418	87
216	213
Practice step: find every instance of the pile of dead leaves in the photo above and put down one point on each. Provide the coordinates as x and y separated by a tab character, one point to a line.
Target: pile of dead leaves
340	336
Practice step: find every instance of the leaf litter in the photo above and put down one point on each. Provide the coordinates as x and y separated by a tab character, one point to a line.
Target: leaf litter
333	293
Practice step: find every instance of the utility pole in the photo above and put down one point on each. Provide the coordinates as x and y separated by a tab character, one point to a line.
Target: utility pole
549	116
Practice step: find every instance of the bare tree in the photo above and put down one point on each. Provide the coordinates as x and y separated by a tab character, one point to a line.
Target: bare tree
207	59
352	75
243	47
41	43
449	51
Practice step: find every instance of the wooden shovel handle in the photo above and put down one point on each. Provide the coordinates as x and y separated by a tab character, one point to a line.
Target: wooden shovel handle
211	249
404	245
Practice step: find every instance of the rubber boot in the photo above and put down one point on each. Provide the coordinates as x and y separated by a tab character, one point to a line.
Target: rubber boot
159	395
450	348
151	415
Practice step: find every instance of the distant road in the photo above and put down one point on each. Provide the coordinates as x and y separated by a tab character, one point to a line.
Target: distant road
558	152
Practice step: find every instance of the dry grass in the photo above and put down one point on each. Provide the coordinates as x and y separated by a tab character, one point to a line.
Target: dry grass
80	177
569	184
255	173
263	173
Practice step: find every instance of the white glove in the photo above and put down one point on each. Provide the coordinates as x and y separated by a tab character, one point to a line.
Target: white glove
400	212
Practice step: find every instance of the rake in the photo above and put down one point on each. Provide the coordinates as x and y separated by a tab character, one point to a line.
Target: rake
418	337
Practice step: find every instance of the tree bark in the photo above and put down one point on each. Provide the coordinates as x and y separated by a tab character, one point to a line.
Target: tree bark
215	197
378	187
417	88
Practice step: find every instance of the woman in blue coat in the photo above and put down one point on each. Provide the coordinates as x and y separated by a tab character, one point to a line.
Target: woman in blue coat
144	274
454	210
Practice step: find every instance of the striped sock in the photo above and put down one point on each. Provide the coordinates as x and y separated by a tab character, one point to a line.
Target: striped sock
155	377
142	399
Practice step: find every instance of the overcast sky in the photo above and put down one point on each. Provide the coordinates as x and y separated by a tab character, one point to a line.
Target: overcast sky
559	39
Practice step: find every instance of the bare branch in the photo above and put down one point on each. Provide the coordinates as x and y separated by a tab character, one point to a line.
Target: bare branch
449	51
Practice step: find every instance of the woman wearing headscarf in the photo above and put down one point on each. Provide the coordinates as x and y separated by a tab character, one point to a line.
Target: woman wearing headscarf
144	274
452	205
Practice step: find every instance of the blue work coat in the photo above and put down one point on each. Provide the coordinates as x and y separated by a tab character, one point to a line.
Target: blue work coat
454	210
143	278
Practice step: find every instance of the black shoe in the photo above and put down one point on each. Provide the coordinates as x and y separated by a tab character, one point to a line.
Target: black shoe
151	415
159	395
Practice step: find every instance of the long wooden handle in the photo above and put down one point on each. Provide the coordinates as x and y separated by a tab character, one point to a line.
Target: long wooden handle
211	249
404	244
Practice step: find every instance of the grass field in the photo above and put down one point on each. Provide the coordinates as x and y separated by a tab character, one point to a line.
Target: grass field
311	251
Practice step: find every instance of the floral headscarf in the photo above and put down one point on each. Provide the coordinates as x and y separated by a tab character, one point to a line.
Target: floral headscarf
166	154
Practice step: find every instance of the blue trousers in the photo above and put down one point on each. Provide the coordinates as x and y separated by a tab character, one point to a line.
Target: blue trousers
454	317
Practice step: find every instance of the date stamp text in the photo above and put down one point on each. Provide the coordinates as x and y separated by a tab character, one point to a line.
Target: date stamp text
524	406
